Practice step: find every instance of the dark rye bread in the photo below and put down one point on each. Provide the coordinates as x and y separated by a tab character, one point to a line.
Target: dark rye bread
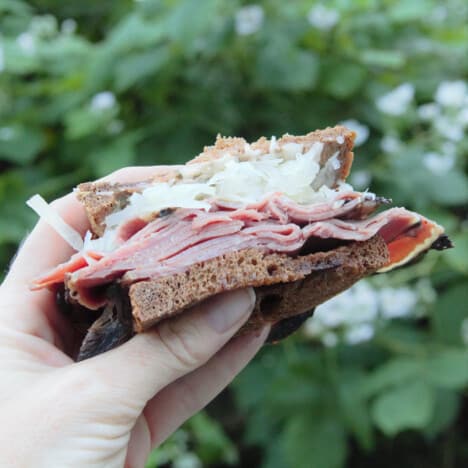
102	198
285	286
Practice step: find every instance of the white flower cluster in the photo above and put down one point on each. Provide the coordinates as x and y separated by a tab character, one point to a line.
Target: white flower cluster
397	101
447	117
103	101
248	20
362	131
323	18
353	315
68	26
27	42
41	28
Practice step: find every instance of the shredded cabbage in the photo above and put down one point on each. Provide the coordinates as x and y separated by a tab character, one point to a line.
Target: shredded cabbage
232	178
54	220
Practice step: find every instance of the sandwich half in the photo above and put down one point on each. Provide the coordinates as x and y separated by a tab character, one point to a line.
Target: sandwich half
276	215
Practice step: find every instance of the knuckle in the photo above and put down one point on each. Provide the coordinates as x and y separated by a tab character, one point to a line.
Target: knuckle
179	343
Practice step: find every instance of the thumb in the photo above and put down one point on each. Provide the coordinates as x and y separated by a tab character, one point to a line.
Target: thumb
150	361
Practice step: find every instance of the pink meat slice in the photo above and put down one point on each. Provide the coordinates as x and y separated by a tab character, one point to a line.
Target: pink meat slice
271	237
178	250
174	242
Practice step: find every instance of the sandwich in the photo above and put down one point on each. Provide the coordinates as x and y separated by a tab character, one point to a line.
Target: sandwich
275	215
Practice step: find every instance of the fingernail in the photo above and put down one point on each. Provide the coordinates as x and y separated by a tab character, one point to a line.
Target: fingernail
228	309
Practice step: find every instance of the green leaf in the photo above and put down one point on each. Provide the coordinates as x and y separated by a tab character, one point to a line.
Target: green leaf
16	219
120	153
134	32
313	441
449	369
189	19
17	61
448	314
85	121
287	68
354	408
139	66
212	444
450	189
20	144
274	455
394	372
404	11
382	58
447	404
408	406
342	79
458	257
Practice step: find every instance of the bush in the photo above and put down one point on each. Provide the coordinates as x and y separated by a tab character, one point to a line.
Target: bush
88	87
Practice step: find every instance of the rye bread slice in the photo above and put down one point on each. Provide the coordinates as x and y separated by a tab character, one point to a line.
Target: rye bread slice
102	198
285	286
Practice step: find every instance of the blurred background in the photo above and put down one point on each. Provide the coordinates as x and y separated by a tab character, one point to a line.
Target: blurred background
379	376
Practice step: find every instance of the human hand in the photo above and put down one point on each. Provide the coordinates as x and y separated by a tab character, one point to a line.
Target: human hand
111	410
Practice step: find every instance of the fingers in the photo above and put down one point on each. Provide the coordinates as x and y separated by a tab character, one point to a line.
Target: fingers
140	368
35	312
188	395
176	403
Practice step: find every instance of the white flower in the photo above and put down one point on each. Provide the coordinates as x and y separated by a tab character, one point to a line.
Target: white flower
428	111
330	339
451	93
2	59
448	128
437	163
464	331
6	133
27	42
396	102
68	26
462	117
357	304
331	314
439	14
425	291
361	179
397	302
103	101
323	18
187	460
362	131
359	333
449	148
313	327
390	144
43	26
249	19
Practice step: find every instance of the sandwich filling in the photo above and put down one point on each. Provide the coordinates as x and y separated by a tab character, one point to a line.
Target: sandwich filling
286	200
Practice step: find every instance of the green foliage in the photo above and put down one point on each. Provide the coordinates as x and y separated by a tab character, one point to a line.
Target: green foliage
152	81
404	407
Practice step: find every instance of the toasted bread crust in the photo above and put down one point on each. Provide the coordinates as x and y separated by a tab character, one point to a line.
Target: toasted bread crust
102	198
285	285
